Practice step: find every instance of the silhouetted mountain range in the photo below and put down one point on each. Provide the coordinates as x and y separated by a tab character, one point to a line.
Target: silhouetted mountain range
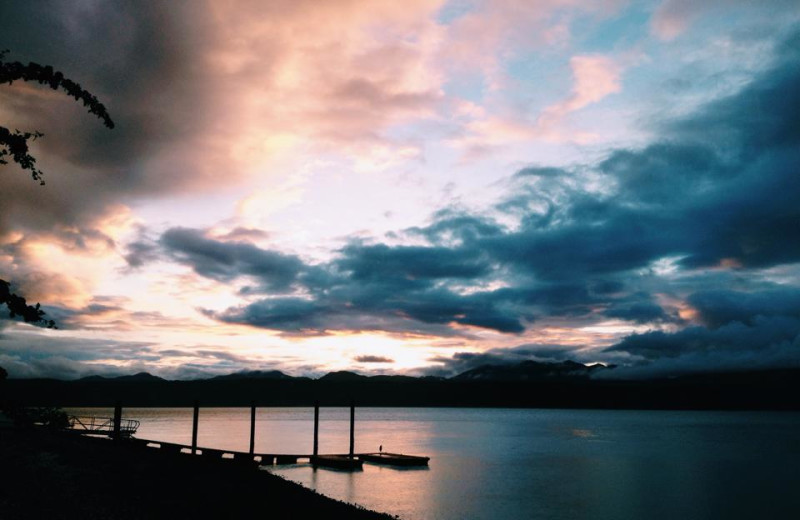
528	384
141	376
254	374
524	371
530	371
343	376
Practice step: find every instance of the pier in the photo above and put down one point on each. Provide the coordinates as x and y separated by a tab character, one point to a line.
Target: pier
103	426
124	429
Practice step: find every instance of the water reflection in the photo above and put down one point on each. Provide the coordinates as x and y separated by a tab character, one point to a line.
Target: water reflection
549	464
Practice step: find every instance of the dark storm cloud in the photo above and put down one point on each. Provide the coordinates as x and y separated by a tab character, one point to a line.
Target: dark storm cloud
640	308
140	60
366	287
451	225
720	185
741	330
462	361
380	262
637	312
225	261
144	62
354	305
720	307
769	342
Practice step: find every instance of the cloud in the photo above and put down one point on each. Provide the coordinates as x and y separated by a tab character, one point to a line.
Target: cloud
451	226
739	331
671	207
673	17
716	308
716	188
225	261
146	77
641	238
594	78
202	97
66	354
459	362
381	263
640	312
714	194
26	355
770	342
372	359
487	32
397	308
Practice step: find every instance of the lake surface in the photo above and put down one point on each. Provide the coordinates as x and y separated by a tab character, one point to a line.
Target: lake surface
542	464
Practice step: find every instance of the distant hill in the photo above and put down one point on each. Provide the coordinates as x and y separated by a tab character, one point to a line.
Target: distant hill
343	376
530	371
253	374
141	376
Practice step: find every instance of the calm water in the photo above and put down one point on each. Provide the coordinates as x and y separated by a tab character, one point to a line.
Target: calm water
543	464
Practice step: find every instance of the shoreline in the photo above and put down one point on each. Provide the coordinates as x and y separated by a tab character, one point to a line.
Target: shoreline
50	475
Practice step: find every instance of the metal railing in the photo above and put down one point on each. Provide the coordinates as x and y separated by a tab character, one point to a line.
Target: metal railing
102	425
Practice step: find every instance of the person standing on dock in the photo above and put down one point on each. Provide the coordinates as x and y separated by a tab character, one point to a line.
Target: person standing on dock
380	449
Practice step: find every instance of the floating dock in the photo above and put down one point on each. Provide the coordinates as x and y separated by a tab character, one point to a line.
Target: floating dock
394	459
337	462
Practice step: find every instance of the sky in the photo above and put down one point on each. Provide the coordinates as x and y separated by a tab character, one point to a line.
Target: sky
413	187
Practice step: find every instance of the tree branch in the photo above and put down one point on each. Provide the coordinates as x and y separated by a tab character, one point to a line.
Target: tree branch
17	306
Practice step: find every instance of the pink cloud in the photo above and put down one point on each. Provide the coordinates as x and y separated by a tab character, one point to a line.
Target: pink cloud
673	17
497	29
333	74
594	78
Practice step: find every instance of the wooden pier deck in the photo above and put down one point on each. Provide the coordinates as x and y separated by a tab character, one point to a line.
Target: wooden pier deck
333	460
123	429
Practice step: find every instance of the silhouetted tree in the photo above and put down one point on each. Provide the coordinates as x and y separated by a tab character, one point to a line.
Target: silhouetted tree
14	145
17	306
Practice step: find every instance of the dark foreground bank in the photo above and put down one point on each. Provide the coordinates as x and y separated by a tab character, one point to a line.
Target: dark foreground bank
46	475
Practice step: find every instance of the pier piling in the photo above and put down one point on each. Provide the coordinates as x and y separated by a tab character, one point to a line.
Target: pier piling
252	428
195	419
117	420
316	429
352	428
